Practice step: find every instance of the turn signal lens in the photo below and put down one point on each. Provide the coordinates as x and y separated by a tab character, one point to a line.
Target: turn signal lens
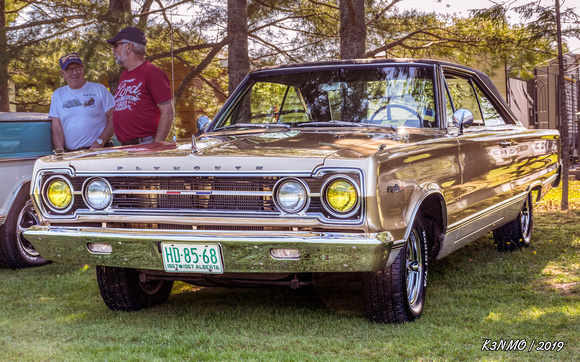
100	248
285	253
59	194
341	196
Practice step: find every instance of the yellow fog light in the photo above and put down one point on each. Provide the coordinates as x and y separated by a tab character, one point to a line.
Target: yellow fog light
59	194
341	197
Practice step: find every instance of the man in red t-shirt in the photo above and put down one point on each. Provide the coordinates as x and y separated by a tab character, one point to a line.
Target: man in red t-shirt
143	100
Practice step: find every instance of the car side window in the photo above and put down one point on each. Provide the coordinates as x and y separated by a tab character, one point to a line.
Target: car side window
463	96
491	116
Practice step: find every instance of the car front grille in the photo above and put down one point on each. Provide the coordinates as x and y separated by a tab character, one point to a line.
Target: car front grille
202	196
171	194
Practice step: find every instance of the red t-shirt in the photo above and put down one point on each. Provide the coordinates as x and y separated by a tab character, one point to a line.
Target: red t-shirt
139	92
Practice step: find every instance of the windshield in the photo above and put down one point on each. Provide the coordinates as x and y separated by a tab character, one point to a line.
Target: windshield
382	95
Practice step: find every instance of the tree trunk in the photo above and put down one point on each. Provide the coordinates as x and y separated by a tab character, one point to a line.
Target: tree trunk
353	31
119	16
4	90
238	59
119	8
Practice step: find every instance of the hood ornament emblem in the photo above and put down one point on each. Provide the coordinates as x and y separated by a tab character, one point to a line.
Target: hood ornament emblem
193	144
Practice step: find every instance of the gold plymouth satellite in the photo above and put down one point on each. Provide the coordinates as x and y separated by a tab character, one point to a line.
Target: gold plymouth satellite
362	166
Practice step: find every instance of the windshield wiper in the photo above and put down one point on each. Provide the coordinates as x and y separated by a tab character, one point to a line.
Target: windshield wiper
345	124
256	125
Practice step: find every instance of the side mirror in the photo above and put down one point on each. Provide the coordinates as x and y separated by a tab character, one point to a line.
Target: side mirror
462	118
202	124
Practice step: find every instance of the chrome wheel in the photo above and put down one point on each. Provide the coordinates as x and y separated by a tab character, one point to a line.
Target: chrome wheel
26	218
396	293
526	219
517	233
414	269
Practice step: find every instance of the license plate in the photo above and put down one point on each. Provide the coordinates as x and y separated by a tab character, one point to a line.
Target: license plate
192	258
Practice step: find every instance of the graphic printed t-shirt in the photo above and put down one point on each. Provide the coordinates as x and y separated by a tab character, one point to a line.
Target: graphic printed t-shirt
81	113
139	92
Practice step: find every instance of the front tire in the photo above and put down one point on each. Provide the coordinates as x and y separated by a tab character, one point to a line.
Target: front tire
15	251
396	294
517	233
122	289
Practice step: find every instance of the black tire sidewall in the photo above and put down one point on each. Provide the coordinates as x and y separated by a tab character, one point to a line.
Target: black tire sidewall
385	290
121	289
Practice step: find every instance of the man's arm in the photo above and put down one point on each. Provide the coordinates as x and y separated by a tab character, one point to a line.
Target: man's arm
57	133
165	120
107	132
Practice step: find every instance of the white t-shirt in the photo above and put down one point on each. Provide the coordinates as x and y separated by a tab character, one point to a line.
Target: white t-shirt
81	113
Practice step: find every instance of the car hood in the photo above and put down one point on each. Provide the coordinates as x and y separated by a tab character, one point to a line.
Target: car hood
299	149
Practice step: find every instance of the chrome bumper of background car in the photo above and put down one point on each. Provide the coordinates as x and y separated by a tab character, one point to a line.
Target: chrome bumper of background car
243	252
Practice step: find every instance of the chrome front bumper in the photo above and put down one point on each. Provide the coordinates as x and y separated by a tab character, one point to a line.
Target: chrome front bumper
243	252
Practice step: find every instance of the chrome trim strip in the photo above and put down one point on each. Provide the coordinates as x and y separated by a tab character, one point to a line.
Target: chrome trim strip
196	173
191	192
487	212
21	158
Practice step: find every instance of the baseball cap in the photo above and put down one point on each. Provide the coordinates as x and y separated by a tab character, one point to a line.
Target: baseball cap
65	60
129	33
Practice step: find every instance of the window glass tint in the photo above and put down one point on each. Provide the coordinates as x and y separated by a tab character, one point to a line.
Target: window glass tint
269	103
464	96
395	95
491	116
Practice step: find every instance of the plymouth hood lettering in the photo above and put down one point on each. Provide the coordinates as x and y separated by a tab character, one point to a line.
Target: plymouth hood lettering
299	149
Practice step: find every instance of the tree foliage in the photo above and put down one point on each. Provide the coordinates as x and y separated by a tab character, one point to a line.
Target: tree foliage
190	37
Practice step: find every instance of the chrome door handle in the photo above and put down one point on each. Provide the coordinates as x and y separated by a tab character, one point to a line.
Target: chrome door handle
505	144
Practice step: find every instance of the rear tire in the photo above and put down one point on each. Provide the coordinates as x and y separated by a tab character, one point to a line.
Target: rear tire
396	294
15	251
517	233
122	289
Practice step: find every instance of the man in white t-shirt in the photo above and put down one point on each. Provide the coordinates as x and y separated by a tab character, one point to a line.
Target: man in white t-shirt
81	112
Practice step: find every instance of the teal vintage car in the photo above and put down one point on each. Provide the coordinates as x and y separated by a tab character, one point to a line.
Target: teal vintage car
24	137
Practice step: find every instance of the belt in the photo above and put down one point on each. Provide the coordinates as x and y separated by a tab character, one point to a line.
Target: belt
109	143
138	140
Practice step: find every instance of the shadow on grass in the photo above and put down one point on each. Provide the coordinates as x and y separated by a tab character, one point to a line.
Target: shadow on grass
476	285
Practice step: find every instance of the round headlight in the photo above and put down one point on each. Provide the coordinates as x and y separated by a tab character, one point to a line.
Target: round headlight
59	194
291	195
341	196
98	194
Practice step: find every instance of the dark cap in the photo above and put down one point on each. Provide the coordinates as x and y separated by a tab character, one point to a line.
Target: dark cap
65	60
129	33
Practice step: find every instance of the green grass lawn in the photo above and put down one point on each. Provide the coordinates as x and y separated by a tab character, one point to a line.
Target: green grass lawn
475	294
